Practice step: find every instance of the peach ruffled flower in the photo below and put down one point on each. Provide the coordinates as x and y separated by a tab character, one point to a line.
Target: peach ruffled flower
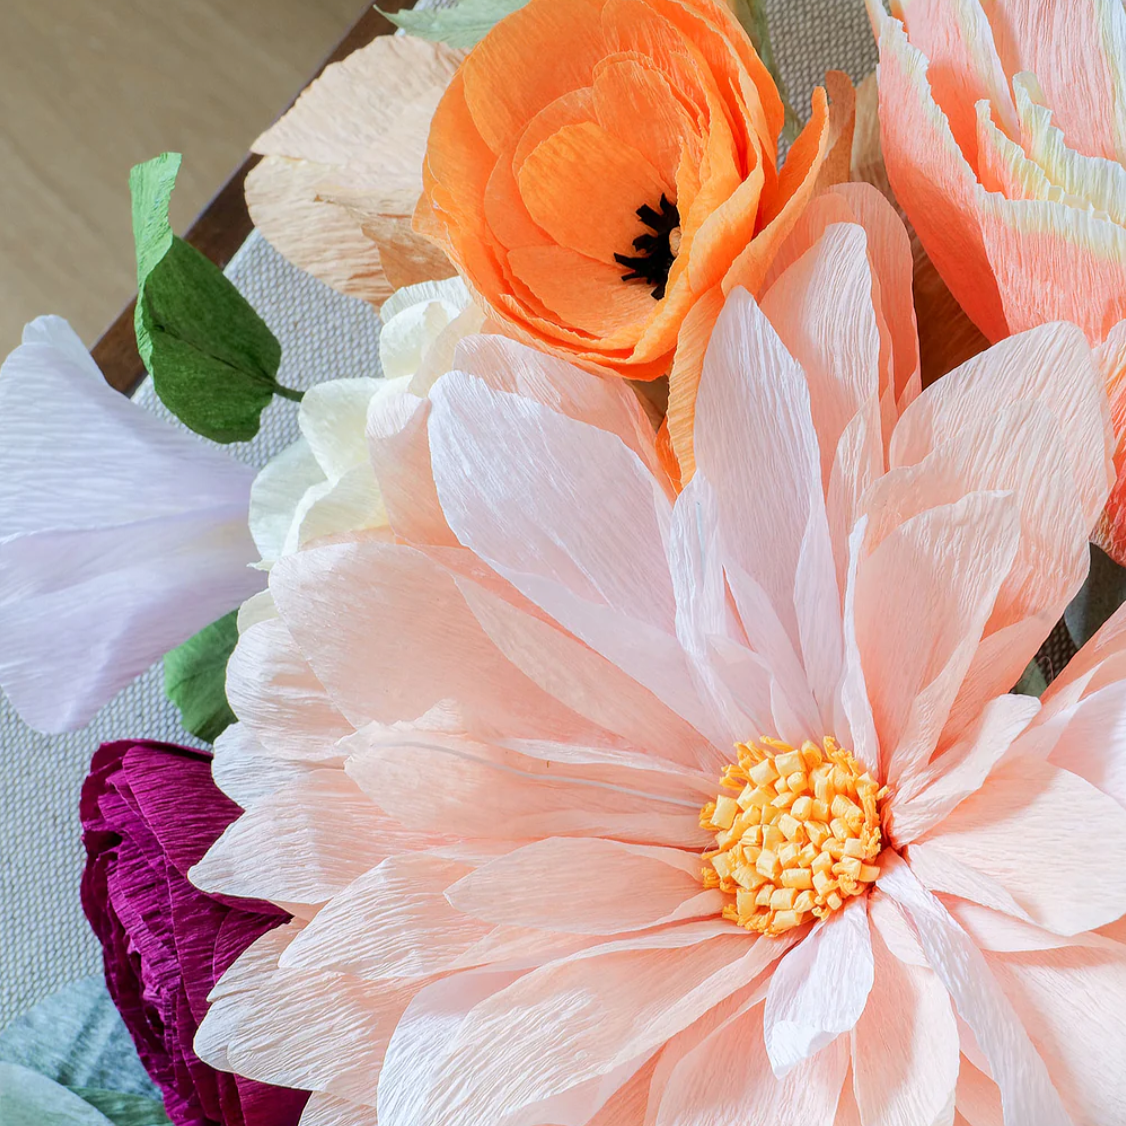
602	807
598	168
1004	134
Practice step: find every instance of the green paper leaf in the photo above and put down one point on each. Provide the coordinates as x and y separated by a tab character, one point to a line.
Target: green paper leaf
122	1109
195	678
752	15
1032	681
463	25
213	361
30	1099
77	1038
1098	598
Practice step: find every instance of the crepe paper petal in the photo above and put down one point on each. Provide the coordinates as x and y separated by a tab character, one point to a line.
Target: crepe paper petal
120	536
819	989
463	25
212	359
195	676
149	812
1025	1083
342	170
487	758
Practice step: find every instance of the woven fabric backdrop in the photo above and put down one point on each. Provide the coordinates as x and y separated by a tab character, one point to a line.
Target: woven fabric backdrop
45	942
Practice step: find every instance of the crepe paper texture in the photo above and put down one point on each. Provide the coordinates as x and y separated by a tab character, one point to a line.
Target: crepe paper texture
508	741
1005	143
464	24
149	812
603	207
121	535
195	678
212	359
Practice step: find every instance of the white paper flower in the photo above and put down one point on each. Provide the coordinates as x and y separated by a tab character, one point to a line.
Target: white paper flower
120	535
323	484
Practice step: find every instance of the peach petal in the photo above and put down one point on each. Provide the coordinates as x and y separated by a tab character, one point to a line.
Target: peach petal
1091	740
391	922
586	682
936	575
931	178
1071	1001
821	309
595	887
1027	799
337	1027
278	697
328	1110
502	795
905	1045
726	1081
246	772
978	1100
960	770
819	989
754	396
304	843
1087	97
583	1018
1020	1073
410	613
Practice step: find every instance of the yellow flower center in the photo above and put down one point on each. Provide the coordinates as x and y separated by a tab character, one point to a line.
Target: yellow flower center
799	837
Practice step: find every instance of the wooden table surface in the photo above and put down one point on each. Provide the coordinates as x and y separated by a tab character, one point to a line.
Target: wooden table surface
223	226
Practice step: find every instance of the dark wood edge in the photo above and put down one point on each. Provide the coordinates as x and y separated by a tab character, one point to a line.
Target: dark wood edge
224	224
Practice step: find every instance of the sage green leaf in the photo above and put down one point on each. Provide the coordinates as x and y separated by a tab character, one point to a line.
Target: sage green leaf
212	359
122	1109
195	678
77	1038
1098	598
1032	681
463	25
30	1099
752	15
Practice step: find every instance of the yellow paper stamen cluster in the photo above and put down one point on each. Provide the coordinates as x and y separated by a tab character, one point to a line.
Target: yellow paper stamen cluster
797	839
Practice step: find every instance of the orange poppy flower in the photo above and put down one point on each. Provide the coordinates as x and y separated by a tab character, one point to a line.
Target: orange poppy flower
597	168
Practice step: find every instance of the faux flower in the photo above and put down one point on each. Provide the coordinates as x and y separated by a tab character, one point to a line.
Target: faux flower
342	170
1005	144
598	168
150	811
616	808
323	484
120	535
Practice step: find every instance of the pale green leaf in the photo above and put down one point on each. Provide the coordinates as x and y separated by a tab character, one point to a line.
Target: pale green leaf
195	678
463	25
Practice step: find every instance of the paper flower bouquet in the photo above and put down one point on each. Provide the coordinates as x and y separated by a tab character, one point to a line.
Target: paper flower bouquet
624	706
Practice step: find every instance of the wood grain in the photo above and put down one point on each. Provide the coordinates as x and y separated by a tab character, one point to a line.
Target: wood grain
223	225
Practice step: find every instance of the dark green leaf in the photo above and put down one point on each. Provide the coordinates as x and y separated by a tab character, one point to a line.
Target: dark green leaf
1098	598
213	361
122	1109
463	25
195	678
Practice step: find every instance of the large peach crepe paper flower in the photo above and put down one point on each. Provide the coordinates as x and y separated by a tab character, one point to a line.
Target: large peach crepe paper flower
596	806
597	168
342	170
1004	134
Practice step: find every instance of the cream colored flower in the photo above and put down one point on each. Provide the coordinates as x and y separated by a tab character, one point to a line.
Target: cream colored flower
323	484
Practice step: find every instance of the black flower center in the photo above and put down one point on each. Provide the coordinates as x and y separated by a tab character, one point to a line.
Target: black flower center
656	255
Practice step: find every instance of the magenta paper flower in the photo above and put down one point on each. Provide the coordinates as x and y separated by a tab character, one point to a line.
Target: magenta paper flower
150	811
